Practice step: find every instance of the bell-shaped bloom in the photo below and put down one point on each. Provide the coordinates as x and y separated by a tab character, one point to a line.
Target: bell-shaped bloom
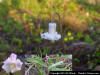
12	64
51	34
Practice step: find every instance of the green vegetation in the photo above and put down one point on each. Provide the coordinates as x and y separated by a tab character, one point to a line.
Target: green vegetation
51	63
23	21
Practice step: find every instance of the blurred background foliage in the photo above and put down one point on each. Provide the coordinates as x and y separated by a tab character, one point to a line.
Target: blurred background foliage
75	14
22	21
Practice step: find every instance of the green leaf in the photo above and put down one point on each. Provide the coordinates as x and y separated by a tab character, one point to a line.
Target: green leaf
9	22
45	51
50	61
62	69
38	40
67	56
79	35
42	72
41	30
24	17
57	58
87	38
37	60
56	64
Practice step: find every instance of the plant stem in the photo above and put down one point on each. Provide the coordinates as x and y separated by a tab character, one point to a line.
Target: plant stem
60	25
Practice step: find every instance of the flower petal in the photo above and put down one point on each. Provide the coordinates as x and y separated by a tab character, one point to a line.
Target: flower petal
13	57
6	68
48	36
8	60
18	64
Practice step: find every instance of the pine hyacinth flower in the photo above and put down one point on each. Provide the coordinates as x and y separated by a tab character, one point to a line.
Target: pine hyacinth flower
51	34
12	64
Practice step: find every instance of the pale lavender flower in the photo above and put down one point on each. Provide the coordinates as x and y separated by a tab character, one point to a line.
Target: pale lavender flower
51	34
12	64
